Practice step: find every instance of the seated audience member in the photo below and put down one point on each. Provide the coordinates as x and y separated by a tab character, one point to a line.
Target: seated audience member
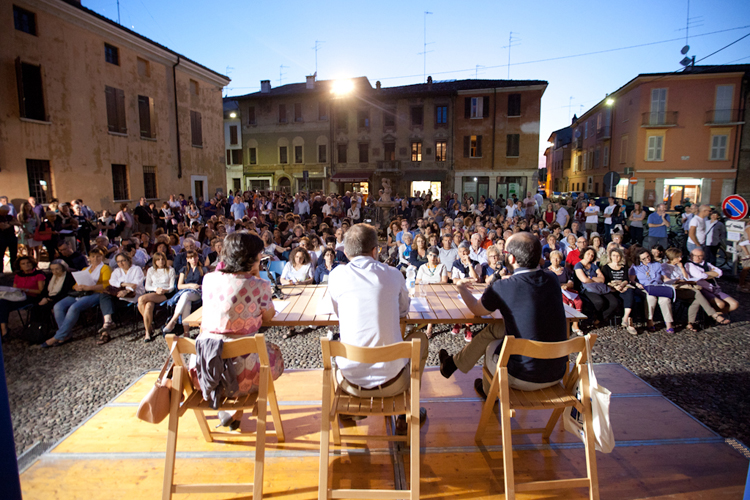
75	260
188	291
700	272
448	252
551	246
530	301
688	291
418	255
649	276
58	285
29	280
299	269
239	277
212	258
326	264
465	267
270	248
575	255
332	243
615	273
565	277
369	297
160	285
432	272
83	297
180	258
593	286
404	251
657	254
125	283
476	251
493	266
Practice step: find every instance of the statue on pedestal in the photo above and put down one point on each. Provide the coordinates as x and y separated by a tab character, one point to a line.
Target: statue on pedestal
386	196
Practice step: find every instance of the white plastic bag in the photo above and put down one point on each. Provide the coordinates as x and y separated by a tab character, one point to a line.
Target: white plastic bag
573	419
12	294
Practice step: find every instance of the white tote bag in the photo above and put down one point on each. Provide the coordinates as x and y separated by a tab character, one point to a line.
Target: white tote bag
573	419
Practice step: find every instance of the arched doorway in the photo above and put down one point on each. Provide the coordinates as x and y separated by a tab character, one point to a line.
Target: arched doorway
285	185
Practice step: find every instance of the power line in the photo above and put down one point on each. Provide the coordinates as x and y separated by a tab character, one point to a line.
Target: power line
572	56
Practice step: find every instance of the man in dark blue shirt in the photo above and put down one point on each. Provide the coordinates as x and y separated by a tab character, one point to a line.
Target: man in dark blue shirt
531	304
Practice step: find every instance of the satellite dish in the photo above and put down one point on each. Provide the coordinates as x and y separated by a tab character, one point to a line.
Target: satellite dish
578	134
685	50
686	61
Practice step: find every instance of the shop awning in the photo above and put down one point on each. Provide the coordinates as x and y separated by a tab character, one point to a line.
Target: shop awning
352	176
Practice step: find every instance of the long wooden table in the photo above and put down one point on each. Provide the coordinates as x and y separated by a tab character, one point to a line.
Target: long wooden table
445	307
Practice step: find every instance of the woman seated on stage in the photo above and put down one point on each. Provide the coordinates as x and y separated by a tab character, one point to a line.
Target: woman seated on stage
327	263
160	285
298	271
221	315
125	283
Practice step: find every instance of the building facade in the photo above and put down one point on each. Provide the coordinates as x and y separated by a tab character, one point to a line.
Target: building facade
233	145
82	97
557	159
480	137
670	136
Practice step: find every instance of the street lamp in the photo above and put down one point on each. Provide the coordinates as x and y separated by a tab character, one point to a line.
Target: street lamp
232	115
609	101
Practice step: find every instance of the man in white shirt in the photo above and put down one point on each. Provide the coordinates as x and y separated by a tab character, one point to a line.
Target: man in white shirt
510	210
592	217
369	297
476	252
539	202
562	216
697	228
327	208
608	220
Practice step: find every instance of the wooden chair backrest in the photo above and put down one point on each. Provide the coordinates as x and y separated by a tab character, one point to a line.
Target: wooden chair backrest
401	350
544	350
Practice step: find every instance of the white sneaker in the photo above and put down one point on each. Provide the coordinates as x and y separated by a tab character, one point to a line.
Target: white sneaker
329	334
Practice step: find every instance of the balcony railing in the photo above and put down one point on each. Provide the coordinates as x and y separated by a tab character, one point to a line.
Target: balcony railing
389	166
725	117
604	132
659	119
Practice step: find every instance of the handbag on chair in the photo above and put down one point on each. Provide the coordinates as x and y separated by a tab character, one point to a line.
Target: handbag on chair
155	406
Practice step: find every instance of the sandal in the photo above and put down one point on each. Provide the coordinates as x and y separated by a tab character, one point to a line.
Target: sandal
631	330
103	339
289	334
106	327
578	331
56	343
670	330
722	321
689	327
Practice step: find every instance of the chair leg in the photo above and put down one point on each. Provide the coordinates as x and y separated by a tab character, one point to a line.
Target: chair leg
414	451
260	435
174	409
552	422
487	408
325	424
275	413
510	493
590	447
201	418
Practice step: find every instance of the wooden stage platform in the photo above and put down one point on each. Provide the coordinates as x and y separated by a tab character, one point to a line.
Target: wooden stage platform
662	452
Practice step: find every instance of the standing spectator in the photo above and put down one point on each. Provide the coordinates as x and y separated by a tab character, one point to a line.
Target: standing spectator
716	234
237	209
592	217
8	239
636	219
562	218
658	225
124	220
608	219
5	203
144	218
697	228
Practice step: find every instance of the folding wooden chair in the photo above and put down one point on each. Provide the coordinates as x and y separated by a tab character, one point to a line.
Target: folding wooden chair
194	401
557	398
337	402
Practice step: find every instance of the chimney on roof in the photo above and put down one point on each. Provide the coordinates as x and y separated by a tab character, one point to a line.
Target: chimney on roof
310	83
377	85
575	119
265	86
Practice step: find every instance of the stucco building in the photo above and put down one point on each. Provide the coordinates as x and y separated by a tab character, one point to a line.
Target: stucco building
557	159
90	109
475	136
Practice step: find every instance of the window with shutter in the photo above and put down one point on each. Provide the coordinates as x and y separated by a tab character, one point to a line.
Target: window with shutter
322	153
514	104
40	180
655	144
149	182
233	135
485	106
719	147
477	107
341	150
297	154
416	151
282	113
146	116
441	115
467	146
283	155
196	127
120	190
389	118
512	145
364	152
30	91
441	148
417	116
120	100
297	112
467	107
253	156
322	110
24	20
236	157
251	115
479	147
111	54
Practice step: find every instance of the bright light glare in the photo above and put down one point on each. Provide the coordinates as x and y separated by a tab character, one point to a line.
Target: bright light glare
610	101
342	87
232	115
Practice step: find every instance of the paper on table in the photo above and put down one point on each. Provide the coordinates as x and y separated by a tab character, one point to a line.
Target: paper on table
83	278
279	305
570	295
325	305
419	304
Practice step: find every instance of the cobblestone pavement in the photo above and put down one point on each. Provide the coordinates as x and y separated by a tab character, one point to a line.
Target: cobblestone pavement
53	390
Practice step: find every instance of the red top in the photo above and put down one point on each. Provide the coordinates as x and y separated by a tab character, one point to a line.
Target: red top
29	281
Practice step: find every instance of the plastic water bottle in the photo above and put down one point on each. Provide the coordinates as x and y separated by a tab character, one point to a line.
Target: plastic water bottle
411	278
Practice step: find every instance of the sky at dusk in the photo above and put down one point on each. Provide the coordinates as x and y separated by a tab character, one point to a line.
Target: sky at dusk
383	41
